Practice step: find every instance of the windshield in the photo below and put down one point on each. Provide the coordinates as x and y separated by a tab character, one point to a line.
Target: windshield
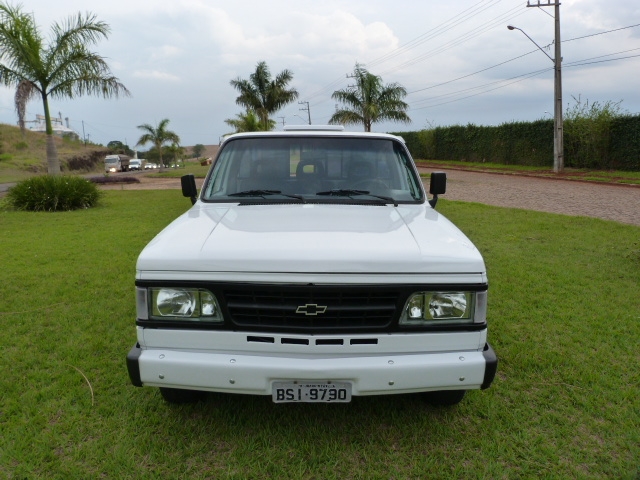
313	169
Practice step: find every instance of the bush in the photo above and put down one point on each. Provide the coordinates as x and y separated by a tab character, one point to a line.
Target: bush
118	179
51	193
86	162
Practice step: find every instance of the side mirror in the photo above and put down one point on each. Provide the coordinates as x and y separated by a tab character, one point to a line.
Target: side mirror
189	187
437	186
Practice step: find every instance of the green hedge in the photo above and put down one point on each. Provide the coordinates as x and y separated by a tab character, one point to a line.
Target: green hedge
53	193
531	143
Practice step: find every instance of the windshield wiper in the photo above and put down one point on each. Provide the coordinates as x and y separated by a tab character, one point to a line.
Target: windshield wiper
264	193
346	192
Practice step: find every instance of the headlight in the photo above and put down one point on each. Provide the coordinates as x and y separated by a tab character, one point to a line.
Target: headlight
193	304
437	308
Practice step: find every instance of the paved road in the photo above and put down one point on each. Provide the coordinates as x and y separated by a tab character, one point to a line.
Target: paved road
569	197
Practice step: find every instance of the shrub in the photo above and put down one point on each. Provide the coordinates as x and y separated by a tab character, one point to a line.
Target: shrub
86	162
53	193
119	179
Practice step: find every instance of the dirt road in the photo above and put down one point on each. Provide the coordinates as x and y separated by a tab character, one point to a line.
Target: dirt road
569	197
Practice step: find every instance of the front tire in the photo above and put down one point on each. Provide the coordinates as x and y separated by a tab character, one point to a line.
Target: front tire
444	398
180	396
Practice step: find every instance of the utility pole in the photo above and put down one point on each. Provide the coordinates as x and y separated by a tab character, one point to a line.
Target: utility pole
558	130
307	109
83	135
282	120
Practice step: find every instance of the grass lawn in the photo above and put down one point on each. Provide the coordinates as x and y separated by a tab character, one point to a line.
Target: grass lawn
199	171
564	313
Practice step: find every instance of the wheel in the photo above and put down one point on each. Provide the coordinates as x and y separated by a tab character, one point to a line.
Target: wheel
177	395
444	398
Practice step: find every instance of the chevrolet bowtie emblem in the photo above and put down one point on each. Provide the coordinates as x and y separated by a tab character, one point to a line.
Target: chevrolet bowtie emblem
311	309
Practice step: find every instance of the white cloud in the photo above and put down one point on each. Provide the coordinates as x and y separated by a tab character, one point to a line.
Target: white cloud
156	75
157	46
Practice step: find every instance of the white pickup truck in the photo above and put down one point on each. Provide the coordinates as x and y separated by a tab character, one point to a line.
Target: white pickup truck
312	268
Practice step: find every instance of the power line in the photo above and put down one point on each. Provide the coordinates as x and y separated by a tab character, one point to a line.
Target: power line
519	78
523	55
471	74
438	30
601	33
487	91
494	22
584	62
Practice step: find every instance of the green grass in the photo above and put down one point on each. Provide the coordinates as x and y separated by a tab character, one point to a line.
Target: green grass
564	315
606	176
23	156
199	171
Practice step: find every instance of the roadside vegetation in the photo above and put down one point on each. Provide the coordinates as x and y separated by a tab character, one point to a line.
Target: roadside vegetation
158	136
261	96
197	170
369	101
53	193
23	155
564	320
597	136
58	66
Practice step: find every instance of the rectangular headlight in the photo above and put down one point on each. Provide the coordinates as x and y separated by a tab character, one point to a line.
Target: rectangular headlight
191	304
437	308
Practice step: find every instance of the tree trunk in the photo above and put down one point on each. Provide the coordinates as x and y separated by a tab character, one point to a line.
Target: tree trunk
53	165
159	147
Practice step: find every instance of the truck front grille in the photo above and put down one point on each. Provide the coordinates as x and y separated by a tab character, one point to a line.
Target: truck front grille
312	308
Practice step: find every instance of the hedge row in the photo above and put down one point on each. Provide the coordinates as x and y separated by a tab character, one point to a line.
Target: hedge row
531	143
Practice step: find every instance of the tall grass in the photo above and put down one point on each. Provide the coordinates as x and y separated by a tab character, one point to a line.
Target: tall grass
564	317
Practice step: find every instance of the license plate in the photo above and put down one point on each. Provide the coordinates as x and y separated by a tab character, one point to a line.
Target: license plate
310	392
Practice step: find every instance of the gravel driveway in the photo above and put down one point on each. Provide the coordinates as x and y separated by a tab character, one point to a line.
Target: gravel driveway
620	203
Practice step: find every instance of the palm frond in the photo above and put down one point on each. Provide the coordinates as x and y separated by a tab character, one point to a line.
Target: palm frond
26	91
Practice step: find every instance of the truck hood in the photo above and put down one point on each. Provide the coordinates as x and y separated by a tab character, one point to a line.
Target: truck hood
311	238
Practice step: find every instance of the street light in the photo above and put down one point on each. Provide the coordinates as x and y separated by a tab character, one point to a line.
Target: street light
558	147
511	27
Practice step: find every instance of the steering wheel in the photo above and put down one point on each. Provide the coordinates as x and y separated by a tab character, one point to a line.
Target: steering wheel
373	185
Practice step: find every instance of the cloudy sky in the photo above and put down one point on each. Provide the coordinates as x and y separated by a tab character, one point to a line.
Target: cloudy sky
458	61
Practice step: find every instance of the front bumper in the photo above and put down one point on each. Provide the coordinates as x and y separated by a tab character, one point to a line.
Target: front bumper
369	375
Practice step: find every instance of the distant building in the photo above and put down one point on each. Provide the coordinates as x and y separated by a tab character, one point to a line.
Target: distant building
59	129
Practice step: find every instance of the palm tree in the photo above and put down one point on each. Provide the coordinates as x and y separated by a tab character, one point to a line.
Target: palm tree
158	136
175	150
370	101
262	94
249	122
62	67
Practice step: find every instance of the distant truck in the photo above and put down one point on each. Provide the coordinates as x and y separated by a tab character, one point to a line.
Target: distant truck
116	163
